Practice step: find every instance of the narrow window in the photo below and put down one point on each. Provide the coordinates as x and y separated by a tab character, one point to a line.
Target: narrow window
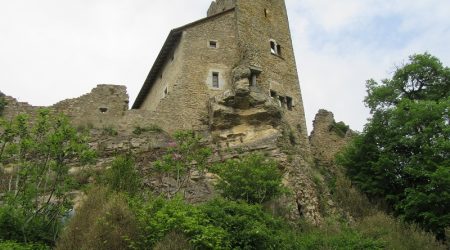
215	80
166	91
278	49
273	47
266	12
282	101
289	102
160	76
213	44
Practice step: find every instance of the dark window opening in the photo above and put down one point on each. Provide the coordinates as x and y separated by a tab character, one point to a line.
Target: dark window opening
266	12
289	102
273	47
103	110
215	80
278	49
160	76
282	101
166	91
213	44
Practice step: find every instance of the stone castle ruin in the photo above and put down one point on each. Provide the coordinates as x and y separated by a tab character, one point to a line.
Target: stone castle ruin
231	76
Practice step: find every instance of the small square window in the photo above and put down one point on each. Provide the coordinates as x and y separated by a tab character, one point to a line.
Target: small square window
215	80
213	44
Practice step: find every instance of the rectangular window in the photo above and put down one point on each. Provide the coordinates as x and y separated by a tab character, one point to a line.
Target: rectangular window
273	47
166	91
215	80
282	101
289	102
213	44
278	50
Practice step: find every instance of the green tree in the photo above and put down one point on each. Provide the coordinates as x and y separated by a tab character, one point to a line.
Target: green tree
403	154
35	158
253	179
184	156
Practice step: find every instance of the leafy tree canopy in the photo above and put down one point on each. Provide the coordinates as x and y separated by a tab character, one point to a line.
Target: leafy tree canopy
403	154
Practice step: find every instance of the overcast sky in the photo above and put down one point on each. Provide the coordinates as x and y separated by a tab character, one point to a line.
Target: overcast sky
51	50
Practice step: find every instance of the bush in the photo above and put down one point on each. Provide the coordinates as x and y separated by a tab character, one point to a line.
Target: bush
397	234
174	241
104	221
123	176
253	179
11	245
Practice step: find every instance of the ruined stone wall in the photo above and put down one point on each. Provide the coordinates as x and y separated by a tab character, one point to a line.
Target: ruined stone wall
220	6
325	142
102	107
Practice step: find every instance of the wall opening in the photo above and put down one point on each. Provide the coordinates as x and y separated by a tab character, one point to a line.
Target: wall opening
289	103
266	12
273	47
213	44
282	101
166	91
103	110
278	50
215	79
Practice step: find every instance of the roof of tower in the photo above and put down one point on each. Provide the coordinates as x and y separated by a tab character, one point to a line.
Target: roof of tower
169	45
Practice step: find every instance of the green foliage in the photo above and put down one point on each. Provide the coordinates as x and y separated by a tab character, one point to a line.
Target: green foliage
403	155
152	128
186	155
3	103
340	128
174	241
123	175
334	235
396	234
104	221
253	179
247	226
160	217
38	156
11	245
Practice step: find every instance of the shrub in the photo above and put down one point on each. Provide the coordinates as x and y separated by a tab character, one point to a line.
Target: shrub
160	217
11	245
174	241
123	176
253	179
104	221
109	131
397	234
